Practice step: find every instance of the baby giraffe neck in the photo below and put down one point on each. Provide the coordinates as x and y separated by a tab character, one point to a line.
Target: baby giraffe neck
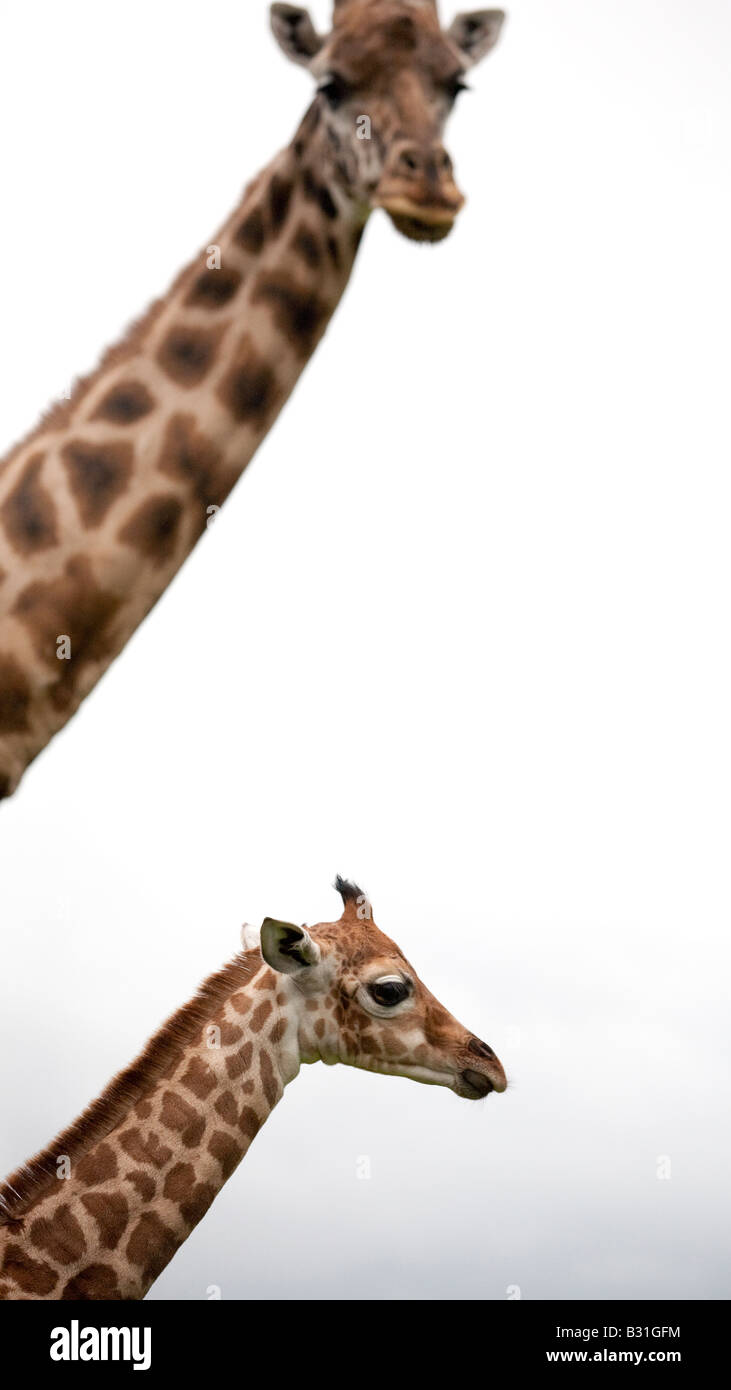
100	506
101	1213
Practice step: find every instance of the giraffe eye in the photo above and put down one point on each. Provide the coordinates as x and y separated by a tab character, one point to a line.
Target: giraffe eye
389	992
455	86
334	89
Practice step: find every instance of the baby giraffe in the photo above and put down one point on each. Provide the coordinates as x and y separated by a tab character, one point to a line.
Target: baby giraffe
101	1212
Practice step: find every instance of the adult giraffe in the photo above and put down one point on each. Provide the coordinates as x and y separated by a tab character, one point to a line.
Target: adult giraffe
102	1211
101	504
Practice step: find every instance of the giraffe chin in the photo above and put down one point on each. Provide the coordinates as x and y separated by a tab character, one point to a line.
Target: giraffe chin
474	1085
414	229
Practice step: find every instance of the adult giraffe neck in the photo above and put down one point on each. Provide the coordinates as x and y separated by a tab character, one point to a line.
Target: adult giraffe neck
103	502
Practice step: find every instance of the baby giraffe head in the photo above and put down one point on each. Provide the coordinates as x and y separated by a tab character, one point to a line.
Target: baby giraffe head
359	1001
387	78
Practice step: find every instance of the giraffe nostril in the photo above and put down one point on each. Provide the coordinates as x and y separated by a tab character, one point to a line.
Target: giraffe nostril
480	1049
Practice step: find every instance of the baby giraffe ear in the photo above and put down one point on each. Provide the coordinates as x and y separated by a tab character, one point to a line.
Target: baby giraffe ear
250	937
474	34
287	948
295	33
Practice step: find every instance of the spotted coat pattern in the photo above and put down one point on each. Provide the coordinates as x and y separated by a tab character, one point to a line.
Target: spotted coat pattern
101	1212
103	502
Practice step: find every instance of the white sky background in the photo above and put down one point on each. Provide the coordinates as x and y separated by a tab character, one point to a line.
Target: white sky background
461	632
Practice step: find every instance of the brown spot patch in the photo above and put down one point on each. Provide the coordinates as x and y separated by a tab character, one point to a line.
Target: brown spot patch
249	389
260	1015
97	1167
143	1184
198	1203
179	1182
267	1078
150	1150
15	697
95	1282
226	1107
319	194
230	1034
154	528
151	1245
59	1235
212	289
98	475
278	1031
198	1078
32	1276
189	456
250	235
298	313
126	403
249	1122
187	353
241	1002
74	606
111	1213
28	512
280	197
240	1061
307	246
177	1115
402	33
226	1150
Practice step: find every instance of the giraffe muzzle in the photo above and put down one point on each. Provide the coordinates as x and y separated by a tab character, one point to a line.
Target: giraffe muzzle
419	193
477	1082
474	1085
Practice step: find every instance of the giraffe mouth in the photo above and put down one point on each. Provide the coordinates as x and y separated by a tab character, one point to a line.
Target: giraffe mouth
416	230
420	222
474	1084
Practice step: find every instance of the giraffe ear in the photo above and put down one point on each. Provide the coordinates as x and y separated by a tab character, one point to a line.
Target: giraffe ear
474	34
295	33
250	937
287	948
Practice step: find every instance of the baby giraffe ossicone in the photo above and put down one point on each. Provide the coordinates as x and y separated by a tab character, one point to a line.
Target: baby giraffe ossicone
102	1211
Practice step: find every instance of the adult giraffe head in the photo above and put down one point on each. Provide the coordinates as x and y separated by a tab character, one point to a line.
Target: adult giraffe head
387	78
359	1001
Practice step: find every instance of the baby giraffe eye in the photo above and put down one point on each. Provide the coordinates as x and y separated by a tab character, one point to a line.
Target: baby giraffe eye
335	89
389	991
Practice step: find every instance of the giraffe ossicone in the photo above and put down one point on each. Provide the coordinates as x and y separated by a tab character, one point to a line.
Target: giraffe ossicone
143	1164
102	503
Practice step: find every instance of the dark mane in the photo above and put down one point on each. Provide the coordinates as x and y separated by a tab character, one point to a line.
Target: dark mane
23	1187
